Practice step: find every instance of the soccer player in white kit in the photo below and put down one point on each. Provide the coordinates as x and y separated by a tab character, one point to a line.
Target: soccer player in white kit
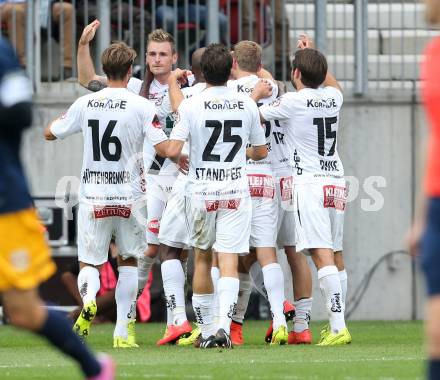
218	123
115	124
246	64
173	234
161	172
310	118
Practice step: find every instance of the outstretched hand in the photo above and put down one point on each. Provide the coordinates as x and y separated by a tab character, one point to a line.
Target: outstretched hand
180	75
262	89
89	32
305	42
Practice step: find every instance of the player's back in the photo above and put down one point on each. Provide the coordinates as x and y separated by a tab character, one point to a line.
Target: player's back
315	126
220	125
113	125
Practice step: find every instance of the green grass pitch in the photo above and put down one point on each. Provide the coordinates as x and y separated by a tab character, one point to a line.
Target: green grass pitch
380	350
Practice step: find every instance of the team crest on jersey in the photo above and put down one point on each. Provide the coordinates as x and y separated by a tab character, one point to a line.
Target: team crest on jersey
156	122
334	197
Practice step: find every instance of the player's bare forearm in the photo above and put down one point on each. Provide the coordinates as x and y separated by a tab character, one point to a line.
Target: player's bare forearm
256	153
86	71
176	78
174	149
331	81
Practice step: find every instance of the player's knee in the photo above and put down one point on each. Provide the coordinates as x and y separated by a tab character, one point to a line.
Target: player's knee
129	261
152	250
169	253
27	316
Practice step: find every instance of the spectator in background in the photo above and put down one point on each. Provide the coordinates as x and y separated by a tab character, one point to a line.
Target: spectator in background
116	20
165	16
282	56
16	9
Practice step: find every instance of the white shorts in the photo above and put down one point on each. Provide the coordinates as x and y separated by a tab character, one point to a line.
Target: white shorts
95	231
264	212
173	230
223	225
286	215
319	214
159	188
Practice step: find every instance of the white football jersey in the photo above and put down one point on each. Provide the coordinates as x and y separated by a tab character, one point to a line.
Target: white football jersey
310	118
245	85
218	123
188	92
115	124
134	85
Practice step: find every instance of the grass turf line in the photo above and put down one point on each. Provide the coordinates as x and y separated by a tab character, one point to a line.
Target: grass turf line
380	350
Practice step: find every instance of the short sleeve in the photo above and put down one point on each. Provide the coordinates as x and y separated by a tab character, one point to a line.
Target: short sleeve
181	123
280	109
134	85
164	109
256	136
69	123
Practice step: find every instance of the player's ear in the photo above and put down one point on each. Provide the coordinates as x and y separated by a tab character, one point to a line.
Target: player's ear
297	74
175	57
234	63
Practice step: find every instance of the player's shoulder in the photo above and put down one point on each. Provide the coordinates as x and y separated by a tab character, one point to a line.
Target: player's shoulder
134	85
333	92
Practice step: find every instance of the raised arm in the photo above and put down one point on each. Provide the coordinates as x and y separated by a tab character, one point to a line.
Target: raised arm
305	42
86	71
175	93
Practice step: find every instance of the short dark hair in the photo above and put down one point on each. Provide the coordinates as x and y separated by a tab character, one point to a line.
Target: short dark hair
216	64
117	59
312	65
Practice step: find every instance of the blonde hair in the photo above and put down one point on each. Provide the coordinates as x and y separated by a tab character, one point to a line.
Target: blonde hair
248	56
117	59
159	35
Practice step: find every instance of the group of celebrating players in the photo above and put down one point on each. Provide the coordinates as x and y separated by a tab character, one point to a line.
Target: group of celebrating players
217	160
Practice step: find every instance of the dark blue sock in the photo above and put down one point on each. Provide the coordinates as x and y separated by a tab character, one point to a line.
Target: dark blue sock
434	370
59	332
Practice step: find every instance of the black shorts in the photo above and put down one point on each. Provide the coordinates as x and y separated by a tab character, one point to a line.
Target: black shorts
430	247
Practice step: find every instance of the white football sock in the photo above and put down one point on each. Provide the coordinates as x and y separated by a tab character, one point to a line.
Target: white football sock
215	275
173	279
274	284
257	278
344	279
227	295
330	286
244	293
125	295
145	264
88	283
303	311
202	305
